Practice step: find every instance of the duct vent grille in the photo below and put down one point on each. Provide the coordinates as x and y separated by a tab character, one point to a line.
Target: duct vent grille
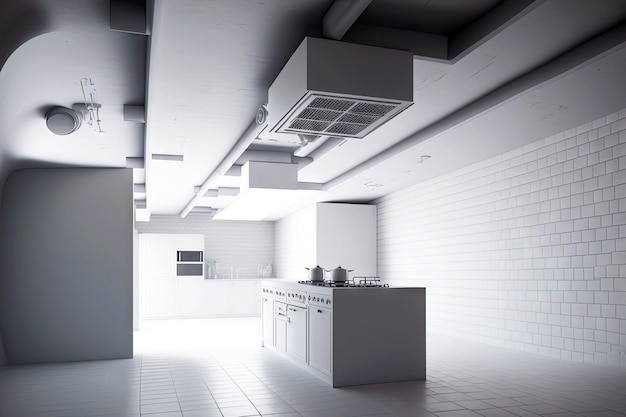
343	117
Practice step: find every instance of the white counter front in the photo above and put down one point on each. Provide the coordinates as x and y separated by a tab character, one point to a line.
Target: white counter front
195	297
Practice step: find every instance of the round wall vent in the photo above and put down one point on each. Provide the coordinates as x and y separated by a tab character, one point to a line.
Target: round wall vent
63	121
261	115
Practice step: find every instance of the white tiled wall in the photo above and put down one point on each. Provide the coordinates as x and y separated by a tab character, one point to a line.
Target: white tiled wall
526	250
240	244
294	238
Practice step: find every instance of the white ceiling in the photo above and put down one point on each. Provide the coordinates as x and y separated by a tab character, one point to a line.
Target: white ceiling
210	64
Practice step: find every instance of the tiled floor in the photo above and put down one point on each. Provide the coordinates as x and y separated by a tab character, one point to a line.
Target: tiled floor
212	368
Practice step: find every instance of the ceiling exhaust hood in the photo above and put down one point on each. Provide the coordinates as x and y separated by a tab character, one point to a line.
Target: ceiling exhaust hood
332	88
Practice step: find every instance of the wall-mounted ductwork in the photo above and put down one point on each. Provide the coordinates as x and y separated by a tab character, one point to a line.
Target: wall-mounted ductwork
332	88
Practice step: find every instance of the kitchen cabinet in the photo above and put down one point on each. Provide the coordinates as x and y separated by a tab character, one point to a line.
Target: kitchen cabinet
354	335
231	298
216	294
162	293
280	326
158	255
188	301
296	332
156	298
165	295
320	342
267	320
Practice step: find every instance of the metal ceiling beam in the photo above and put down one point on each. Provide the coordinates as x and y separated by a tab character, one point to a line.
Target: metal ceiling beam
341	15
593	49
128	16
489	25
428	46
250	134
442	48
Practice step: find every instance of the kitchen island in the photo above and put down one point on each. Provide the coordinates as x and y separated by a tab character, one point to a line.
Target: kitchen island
347	335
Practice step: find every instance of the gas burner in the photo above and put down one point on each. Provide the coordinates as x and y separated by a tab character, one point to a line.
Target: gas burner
357	282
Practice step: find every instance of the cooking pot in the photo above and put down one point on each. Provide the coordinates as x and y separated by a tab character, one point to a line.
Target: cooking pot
339	274
316	274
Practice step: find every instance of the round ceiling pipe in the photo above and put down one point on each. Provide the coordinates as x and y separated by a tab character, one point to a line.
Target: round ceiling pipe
63	121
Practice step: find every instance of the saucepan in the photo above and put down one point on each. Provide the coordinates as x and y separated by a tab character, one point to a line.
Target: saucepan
339	274
316	274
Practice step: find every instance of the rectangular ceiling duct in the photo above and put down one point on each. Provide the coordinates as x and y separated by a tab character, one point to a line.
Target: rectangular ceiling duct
340	89
266	187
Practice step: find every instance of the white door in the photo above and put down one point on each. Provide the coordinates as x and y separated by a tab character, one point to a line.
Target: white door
158	255
268	321
217	298
157	278
189	297
296	332
320	339
280	326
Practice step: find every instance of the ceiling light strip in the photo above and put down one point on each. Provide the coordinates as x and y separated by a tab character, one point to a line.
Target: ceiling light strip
167	157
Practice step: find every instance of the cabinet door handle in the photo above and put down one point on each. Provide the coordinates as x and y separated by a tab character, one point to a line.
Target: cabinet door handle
282	317
319	311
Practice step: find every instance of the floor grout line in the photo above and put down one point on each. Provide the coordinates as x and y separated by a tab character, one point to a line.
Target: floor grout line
185	373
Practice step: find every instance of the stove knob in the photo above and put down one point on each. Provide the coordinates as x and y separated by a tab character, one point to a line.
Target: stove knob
327	301
322	300
309	298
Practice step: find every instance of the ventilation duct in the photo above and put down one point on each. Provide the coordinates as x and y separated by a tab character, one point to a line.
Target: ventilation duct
332	88
63	121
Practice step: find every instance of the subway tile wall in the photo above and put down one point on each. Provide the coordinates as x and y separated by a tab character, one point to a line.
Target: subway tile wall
526	250
294	244
236	244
